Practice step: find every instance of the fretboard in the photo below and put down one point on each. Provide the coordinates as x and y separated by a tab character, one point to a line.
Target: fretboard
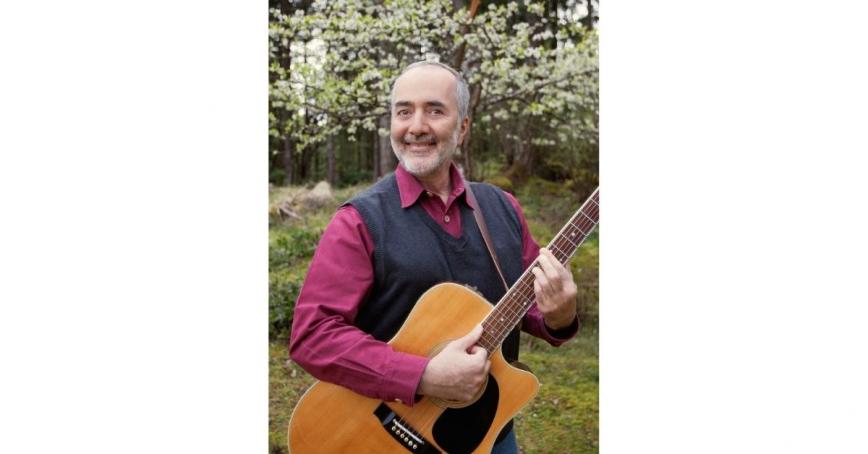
518	300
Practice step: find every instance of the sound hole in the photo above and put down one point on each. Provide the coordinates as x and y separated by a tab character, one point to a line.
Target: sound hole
461	430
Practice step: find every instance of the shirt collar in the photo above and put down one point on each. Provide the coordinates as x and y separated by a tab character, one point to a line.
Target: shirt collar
410	189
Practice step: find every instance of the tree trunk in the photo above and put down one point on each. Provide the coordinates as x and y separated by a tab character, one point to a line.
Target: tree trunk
330	151
523	154
458	58
287	159
588	21
304	167
361	156
475	95
457	62
375	172
384	157
526	151
552	14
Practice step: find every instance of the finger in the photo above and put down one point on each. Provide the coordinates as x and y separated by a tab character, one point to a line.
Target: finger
543	281
478	351
537	288
540	277
542	300
562	270
468	340
552	268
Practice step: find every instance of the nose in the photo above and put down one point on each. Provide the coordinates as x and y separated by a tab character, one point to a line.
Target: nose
418	126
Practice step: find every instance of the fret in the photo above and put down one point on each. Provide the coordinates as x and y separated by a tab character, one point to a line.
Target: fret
580	237
567	238
562	256
507	313
580	230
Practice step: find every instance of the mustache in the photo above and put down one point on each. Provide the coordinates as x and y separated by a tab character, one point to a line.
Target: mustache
426	139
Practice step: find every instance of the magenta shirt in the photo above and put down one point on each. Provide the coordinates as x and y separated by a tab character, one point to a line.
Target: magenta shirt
324	340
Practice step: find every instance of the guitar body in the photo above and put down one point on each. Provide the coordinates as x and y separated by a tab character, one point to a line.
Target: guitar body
332	419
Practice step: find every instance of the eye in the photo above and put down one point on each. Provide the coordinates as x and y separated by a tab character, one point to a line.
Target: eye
436	112
402	113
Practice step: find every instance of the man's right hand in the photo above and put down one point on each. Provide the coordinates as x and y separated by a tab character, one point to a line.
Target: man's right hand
458	371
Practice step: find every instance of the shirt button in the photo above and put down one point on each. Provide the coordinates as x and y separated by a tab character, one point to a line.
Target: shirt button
399	401
428	193
446	218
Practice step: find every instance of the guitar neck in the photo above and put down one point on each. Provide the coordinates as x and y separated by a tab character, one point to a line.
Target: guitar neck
518	299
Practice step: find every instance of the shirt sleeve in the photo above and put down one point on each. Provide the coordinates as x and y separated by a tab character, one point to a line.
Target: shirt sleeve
324	340
533	322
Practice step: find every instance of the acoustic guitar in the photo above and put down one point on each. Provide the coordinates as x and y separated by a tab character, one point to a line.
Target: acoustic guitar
332	419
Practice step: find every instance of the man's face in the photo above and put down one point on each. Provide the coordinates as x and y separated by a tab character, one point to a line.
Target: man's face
425	128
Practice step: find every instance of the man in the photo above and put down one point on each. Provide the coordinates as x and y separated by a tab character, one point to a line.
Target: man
411	230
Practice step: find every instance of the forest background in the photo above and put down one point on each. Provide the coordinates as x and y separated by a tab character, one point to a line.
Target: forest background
533	72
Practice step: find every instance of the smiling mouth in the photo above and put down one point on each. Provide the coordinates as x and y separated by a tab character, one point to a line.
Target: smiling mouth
417	146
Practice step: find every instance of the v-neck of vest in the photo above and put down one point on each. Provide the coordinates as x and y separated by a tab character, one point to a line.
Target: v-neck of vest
467	222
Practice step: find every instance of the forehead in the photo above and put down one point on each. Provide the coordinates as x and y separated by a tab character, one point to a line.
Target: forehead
424	84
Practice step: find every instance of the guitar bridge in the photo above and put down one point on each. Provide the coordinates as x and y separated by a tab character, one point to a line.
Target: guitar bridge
402	432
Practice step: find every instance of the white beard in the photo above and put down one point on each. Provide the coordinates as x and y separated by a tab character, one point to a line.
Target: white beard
422	166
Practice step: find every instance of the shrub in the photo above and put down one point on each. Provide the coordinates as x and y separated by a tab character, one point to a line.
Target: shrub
283	288
289	253
289	245
501	181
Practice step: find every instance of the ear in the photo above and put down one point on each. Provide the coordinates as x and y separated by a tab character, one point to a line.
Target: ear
465	127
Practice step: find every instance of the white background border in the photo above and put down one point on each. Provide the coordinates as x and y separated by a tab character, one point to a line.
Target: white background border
133	254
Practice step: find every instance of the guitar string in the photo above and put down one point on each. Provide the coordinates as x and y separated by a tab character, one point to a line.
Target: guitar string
512	310
522	290
562	251
515	313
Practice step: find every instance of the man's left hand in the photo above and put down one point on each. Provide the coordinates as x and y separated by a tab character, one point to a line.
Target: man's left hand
555	291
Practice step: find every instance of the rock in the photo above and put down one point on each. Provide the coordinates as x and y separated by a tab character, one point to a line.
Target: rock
319	196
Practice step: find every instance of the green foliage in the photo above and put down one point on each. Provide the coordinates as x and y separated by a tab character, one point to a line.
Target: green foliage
501	181
289	245
586	273
283	288
289	252
352	177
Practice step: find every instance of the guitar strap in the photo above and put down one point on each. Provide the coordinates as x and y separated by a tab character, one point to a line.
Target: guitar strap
480	221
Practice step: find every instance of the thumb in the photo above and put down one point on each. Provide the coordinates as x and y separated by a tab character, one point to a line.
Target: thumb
469	339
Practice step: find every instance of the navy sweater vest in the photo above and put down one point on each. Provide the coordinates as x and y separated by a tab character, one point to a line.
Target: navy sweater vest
412	253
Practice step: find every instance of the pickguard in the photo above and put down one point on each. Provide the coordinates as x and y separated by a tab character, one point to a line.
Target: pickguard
461	430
